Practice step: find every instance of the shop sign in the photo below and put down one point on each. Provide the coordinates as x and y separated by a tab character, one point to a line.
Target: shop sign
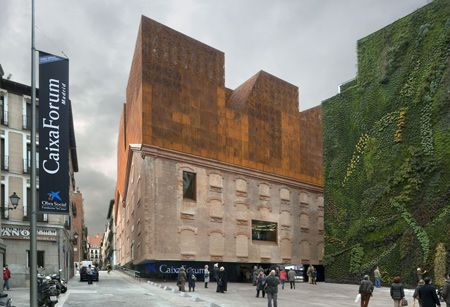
23	233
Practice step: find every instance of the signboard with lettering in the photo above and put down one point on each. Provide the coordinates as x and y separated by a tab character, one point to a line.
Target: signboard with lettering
53	134
23	233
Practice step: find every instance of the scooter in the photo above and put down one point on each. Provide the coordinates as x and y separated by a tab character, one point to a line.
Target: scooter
61	284
47	291
5	300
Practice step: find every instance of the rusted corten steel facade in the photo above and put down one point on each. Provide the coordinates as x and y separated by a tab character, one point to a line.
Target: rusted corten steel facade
177	106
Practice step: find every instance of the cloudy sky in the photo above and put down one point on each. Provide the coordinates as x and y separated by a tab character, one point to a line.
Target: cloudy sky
309	43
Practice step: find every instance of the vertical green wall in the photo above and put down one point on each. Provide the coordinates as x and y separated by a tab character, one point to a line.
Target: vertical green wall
387	152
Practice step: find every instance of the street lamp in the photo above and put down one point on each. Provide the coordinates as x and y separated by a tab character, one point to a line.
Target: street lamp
14	199
75	238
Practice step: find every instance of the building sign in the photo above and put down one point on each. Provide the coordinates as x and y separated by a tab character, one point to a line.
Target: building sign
23	233
53	134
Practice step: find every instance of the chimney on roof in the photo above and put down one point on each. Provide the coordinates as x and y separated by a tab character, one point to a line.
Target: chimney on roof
1	71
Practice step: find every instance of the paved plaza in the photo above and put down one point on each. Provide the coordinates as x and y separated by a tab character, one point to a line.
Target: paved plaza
117	289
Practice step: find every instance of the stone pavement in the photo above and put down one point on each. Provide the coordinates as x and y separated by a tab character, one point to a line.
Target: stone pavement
118	289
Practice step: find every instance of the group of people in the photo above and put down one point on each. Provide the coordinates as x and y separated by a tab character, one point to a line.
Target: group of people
312	275
219	275
425	293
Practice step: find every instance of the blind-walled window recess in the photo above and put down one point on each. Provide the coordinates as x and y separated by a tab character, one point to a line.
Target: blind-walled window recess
264	231
189	185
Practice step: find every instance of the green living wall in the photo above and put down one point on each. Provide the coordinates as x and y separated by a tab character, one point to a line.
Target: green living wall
387	154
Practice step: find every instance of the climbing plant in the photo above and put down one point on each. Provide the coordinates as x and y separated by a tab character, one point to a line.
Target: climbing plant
387	152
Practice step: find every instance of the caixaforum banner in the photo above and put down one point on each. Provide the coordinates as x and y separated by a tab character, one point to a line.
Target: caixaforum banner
53	134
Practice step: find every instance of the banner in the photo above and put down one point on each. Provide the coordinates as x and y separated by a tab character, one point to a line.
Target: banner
53	134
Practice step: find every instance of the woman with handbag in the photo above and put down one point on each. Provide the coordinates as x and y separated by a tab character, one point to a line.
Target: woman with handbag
398	293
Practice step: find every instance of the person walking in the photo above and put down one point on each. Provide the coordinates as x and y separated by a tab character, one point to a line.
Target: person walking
397	292
309	273
365	289
206	276
191	279
260	284
283	277
181	280
222	280
271	286
427	294
89	273
6	277
421	274
314	276
216	272
255	275
446	291
377	276
416	292
291	278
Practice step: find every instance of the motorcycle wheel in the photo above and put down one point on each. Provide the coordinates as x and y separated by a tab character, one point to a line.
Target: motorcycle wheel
63	290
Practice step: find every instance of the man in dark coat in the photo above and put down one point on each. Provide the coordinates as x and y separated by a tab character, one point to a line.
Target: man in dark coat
427	294
222	280
365	289
446	291
272	283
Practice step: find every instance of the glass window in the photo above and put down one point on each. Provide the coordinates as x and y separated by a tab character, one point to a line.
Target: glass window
40	258
189	185
264	231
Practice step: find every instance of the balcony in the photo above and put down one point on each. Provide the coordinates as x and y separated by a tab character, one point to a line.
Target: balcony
5	163
4	118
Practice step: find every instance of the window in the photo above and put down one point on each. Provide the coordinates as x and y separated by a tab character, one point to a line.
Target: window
40	217
27	161
26	122
3	111
4	157
40	259
4	203
264	231
189	185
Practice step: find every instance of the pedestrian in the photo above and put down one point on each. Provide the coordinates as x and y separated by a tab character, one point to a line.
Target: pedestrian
216	272
222	280
283	277
291	278
191	279
365	289
272	283
416	292
261	284
397	292
6	277
89	273
377	276
206	276
309	273
446	291
427	294
314	276
421	274
181	279
255	275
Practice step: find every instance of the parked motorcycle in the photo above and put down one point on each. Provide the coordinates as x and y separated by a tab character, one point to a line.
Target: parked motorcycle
48	291
5	300
61	284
